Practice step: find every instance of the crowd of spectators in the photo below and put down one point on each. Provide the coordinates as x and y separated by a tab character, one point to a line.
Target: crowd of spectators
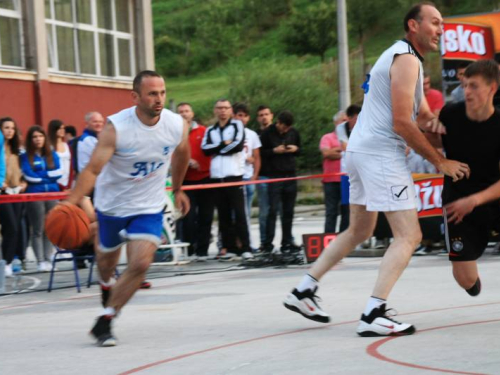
225	151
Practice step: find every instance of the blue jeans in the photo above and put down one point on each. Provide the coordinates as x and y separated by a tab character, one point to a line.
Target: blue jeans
249	193
332	201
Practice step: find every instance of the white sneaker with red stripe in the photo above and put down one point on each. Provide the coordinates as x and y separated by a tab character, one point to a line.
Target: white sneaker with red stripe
378	323
305	303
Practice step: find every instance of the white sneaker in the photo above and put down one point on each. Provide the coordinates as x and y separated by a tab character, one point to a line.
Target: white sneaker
48	267
247	255
41	267
305	303
8	270
378	323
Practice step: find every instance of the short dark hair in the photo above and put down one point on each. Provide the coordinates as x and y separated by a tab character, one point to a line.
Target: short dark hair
184	103
352	110
488	69
136	86
463	64
70	129
241	107
221	100
285	118
262	107
414	13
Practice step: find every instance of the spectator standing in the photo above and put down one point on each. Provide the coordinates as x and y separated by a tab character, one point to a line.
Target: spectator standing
280	146
88	140
265	119
11	214
339	118
224	142
59	145
251	154
69	133
434	97
457	95
343	132
195	227
41	169
331	150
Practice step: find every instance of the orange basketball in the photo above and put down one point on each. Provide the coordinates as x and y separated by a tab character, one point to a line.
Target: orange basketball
67	226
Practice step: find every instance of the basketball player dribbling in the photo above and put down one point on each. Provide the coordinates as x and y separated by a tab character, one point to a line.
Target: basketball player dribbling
394	112
128	168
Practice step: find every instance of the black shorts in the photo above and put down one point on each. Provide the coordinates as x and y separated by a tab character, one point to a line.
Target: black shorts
468	240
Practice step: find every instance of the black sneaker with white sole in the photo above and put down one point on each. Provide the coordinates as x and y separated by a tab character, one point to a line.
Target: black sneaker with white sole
378	323
102	331
306	304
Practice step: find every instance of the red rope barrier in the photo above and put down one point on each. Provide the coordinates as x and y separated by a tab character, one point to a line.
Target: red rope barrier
34	197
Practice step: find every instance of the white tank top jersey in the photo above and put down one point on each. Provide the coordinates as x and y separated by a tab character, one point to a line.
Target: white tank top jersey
374	131
133	181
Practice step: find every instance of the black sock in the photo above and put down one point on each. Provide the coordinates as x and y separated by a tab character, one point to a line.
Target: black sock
475	289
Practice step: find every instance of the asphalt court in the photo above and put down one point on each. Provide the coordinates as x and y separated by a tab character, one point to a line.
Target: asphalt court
235	323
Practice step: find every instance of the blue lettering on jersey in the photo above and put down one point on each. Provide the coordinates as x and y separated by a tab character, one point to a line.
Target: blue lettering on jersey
166	150
366	84
145	168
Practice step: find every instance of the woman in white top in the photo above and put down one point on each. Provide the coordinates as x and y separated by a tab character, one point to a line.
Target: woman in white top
58	144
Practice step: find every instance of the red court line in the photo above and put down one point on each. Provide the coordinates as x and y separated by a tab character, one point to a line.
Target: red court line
372	349
243	342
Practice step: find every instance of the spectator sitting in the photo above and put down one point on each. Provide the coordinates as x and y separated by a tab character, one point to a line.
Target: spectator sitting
280	146
58	144
41	169
11	214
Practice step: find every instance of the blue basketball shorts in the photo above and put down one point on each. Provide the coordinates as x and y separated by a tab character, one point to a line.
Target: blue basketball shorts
115	231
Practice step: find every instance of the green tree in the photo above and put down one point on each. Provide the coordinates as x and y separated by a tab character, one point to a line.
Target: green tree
312	31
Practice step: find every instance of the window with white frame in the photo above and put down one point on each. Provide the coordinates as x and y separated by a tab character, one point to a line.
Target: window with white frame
11	34
90	37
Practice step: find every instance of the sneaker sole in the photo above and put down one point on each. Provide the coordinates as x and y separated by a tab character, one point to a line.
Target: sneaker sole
316	318
408	331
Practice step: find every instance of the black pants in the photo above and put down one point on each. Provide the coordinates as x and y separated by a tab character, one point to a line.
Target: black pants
286	193
12	231
229	200
196	226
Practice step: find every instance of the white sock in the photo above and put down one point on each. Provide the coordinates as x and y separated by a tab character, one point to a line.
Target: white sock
110	282
108	311
373	303
308	282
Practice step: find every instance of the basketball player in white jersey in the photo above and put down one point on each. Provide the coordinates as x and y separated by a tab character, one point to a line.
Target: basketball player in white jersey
394	112
129	168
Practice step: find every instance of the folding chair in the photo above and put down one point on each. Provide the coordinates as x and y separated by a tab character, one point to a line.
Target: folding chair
75	259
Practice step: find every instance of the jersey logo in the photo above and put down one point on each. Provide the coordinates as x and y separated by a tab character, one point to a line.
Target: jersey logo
366	84
144	168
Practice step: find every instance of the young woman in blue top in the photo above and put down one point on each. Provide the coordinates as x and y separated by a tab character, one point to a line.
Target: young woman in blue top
41	170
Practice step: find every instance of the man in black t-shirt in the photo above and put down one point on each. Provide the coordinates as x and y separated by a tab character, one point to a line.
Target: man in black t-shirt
472	137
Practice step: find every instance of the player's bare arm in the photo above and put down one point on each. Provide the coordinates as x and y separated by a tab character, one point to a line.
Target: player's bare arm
102	154
180	163
404	75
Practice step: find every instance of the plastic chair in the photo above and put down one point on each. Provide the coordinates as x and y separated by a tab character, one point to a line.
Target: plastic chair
74	258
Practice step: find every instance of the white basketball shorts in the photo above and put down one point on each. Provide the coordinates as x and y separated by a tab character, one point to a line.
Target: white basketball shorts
380	183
